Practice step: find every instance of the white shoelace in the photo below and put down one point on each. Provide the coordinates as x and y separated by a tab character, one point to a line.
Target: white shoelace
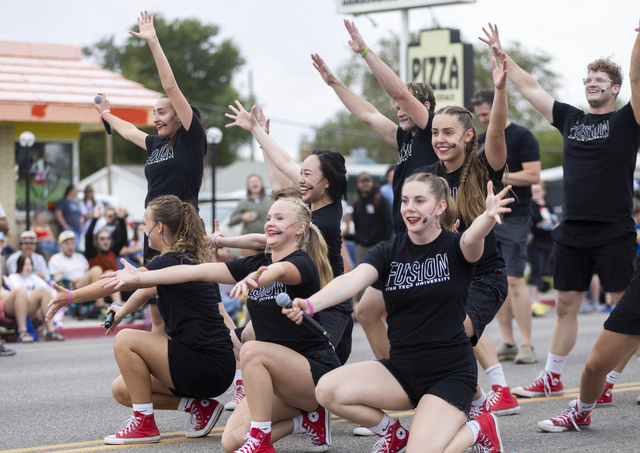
250	445
130	424
568	415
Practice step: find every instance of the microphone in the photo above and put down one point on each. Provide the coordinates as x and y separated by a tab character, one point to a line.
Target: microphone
429	215
109	321
284	301
455	144
282	231
604	90
107	126
313	186
165	124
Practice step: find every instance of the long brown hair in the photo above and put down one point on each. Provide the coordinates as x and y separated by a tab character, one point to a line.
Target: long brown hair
440	190
183	222
471	195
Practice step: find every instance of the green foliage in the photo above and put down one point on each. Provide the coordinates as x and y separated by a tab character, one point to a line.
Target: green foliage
203	66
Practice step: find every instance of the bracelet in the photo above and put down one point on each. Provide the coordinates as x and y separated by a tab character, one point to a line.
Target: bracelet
69	297
103	112
311	310
257	281
214	239
365	51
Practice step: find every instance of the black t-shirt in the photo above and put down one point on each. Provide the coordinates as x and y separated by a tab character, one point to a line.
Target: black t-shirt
413	152
598	161
522	147
425	290
491	257
327	219
178	170
372	219
190	310
543	222
269	323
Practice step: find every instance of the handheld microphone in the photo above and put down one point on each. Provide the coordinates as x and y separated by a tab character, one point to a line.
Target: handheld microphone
107	126
282	231
109	321
284	301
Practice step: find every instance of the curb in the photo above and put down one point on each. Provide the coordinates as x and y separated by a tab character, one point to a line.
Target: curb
95	330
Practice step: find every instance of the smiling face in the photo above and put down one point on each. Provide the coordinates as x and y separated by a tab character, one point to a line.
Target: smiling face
446	132
418	203
282	227
593	89
312	181
163	112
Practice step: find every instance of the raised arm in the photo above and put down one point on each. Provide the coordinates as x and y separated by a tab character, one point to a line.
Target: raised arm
495	145
360	108
178	101
634	77
528	87
278	155
472	241
277	179
127	130
388	79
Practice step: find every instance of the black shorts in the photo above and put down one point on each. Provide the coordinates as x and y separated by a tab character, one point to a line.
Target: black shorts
625	317
457	388
200	374
321	362
574	267
339	326
487	293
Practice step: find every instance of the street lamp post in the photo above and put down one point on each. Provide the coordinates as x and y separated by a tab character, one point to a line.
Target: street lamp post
27	139
214	136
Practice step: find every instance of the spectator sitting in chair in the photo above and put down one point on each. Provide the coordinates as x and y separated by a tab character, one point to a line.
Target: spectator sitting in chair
28	242
73	266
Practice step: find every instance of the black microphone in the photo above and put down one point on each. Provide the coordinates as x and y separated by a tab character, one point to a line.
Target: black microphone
313	186
604	90
284	301
283	230
455	144
107	126
109	321
165	124
429	215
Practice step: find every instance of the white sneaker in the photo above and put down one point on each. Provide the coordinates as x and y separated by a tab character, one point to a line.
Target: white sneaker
362	431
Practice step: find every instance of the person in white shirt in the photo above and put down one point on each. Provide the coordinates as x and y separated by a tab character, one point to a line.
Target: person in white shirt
28	242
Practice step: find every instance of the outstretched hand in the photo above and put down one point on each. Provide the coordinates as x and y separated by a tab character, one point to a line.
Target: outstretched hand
323	69
145	25
129	274
262	120
356	42
492	40
242	118
242	288
61	299
496	203
500	72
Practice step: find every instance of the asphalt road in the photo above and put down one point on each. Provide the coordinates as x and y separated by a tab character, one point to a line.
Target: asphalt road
56	397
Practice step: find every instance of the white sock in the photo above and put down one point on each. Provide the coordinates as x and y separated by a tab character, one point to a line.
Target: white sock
480	401
474	426
184	404
381	428
555	363
612	377
297	425
265	427
582	407
145	409
238	376
495	374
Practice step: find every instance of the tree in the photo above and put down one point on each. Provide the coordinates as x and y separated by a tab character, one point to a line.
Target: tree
345	132
203	66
